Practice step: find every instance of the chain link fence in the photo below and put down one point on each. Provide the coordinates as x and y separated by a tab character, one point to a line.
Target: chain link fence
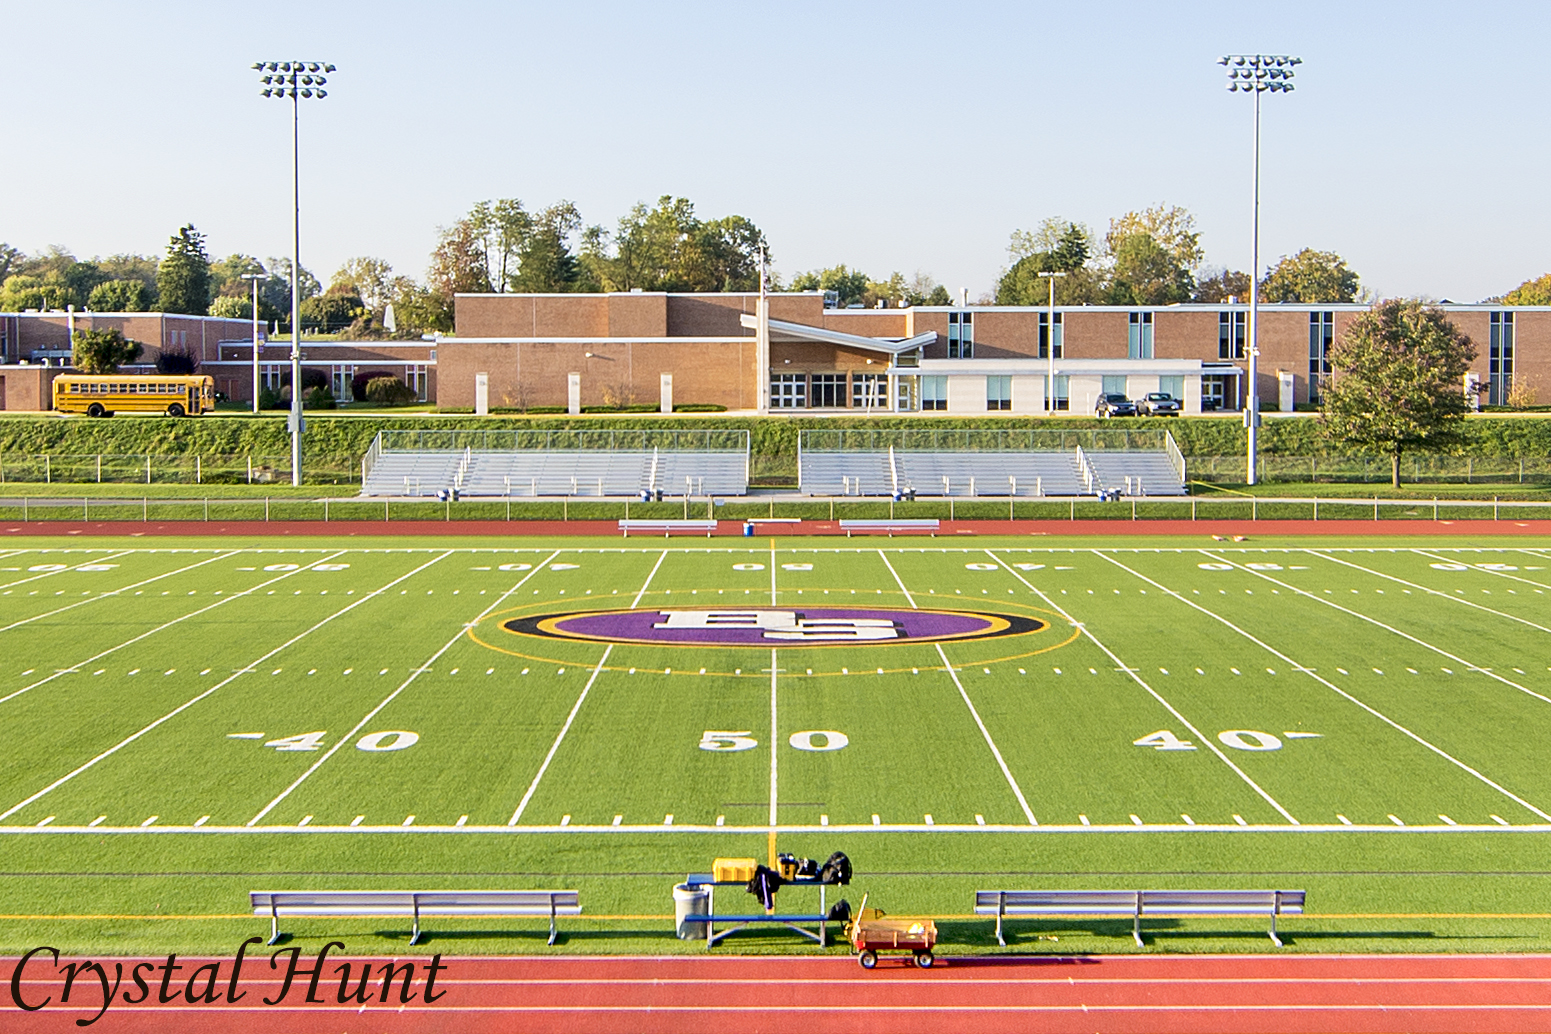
171	469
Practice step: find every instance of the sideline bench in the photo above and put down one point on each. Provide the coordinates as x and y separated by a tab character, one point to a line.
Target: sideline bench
741	919
1137	903
667	527
414	904
927	524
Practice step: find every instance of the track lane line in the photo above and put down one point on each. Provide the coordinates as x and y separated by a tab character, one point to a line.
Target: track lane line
119	591
554	748
175	621
1326	682
230	678
402	686
1122	666
1017	791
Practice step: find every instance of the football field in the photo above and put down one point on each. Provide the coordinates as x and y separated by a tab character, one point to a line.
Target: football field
694	698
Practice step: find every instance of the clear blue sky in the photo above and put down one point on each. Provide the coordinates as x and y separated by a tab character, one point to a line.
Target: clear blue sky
884	135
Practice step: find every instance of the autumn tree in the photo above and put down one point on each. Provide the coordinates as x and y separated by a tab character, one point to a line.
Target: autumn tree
1530	292
1309	276
1398	382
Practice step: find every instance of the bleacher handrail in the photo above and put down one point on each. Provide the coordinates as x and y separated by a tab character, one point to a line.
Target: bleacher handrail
893	472
369	460
568	439
1176	457
1085	469
935	439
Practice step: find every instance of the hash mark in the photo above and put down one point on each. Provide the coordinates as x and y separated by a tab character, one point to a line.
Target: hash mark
357	820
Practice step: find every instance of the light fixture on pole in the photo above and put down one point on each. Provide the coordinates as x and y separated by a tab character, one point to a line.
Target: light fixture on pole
255	278
295	81
1255	74
1050	345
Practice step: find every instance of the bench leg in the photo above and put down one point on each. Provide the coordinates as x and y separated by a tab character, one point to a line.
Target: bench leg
1136	924
1001	907
414	934
1274	938
274	926
552	930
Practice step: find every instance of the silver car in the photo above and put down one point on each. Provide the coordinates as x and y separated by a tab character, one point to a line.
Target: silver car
1158	403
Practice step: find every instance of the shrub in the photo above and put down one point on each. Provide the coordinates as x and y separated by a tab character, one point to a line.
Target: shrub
699	407
317	398
359	382
270	399
389	391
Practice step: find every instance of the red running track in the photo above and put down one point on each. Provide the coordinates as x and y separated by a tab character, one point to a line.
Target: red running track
949	529
808	995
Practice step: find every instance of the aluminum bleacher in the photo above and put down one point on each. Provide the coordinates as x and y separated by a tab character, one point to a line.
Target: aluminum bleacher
556	463
978	464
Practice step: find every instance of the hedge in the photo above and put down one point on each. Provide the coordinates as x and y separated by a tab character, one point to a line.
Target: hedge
773	440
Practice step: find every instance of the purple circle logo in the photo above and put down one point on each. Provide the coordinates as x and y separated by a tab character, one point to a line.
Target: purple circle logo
774	626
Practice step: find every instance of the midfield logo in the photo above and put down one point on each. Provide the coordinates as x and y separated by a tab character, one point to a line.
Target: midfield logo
774	626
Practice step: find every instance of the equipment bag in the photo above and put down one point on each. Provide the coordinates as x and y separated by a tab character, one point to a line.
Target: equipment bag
836	870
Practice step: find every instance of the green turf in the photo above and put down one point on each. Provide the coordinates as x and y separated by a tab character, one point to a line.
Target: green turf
1402	685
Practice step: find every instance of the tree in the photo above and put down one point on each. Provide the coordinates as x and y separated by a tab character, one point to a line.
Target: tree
1171	228
183	278
1147	273
102	351
1530	292
1398	381
275	293
546	263
669	248
226	276
849	284
22	292
501	226
131	267
119	296
458	263
10	260
419	310
1309	276
1066	245
332	311
369	278
1220	285
177	362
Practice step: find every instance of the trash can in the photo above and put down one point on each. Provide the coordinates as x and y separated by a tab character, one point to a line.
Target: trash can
688	902
748	529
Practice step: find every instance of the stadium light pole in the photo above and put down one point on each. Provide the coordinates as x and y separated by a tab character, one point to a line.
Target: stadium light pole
1255	74
1050	345
255	278
295	81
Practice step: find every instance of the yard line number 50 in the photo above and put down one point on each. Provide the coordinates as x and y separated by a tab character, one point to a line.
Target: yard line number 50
814	740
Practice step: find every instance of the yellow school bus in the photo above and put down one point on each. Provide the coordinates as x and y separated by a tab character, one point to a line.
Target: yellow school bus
106	394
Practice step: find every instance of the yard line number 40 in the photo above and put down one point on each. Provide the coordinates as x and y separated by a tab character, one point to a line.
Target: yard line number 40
1238	739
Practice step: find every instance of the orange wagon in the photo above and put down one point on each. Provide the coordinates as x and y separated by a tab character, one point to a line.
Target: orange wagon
870	933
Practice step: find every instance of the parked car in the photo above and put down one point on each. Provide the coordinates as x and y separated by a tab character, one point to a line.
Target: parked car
1114	405
1159	403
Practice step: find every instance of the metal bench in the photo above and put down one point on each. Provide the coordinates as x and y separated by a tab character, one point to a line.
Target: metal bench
667	527
1137	903
739	920
414	904
929	524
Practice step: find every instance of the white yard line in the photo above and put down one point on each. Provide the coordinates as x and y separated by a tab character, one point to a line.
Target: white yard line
402	686
1331	685
1122	666
637	601
1483	570
230	678
772	579
522	805
1426	589
1017	791
1440	651
554	748
115	592
773	739
49	574
162	627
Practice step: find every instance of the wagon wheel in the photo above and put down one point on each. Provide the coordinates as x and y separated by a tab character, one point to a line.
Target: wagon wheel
95	409
868	959
176	409
924	959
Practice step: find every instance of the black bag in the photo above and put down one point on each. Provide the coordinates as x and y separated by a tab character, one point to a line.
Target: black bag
807	868
764	885
836	870
840	912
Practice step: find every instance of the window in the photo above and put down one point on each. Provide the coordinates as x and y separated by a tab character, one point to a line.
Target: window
870	390
934	393
1322	332
1114	384
828	390
905	394
1230	335
1044	334
272	376
1062	393
1139	339
998	393
417	377
961	335
1173	387
1214	392
1499	368
341	377
788	390
912	358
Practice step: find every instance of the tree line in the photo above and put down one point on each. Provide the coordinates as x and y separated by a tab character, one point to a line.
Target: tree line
1148	257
